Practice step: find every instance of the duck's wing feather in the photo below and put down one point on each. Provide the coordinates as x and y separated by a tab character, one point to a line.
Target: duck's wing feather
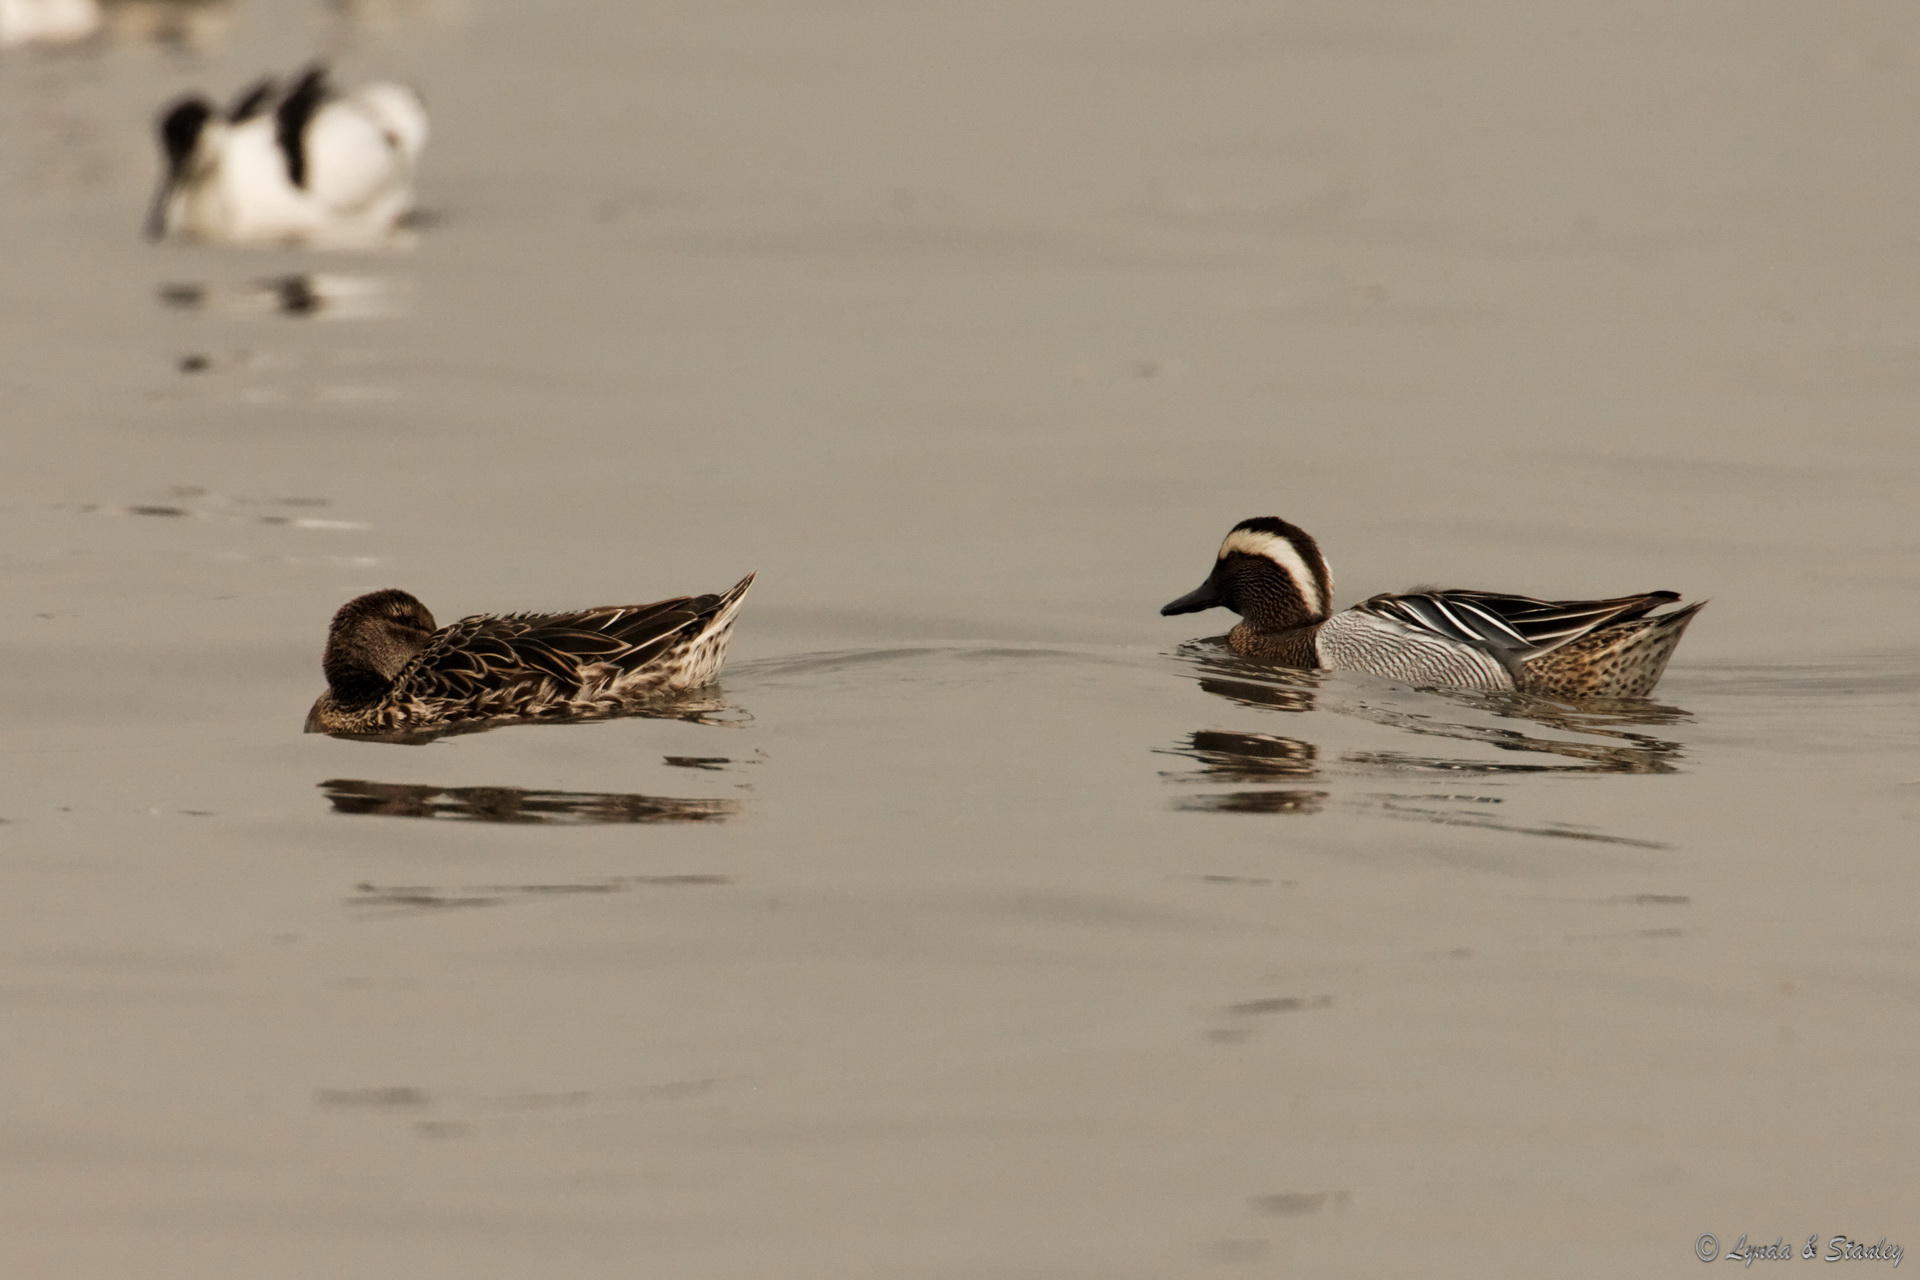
1515	628
488	652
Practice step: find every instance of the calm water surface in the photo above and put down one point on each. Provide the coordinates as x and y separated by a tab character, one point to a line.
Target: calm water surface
984	923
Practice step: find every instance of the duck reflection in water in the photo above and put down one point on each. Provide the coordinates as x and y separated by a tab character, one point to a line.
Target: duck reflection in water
1270	768
517	804
1256	758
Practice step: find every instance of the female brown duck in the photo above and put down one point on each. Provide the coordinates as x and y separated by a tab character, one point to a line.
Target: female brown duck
390	671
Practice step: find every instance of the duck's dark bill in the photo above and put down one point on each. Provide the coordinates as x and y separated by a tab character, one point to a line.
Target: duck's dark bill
1201	597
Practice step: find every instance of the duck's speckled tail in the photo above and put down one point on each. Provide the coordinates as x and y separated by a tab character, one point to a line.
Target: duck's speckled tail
1621	661
700	662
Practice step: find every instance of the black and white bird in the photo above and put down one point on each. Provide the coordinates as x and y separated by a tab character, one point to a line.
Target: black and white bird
1272	574
301	164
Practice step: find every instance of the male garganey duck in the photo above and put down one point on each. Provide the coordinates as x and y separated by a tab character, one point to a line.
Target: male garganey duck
1272	574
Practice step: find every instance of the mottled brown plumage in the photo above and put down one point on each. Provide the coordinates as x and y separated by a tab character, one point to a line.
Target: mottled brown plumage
390	671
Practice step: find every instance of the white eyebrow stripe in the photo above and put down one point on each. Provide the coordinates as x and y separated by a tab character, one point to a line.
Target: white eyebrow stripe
1282	552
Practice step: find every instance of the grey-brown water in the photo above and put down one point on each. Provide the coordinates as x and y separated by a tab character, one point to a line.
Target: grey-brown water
988	926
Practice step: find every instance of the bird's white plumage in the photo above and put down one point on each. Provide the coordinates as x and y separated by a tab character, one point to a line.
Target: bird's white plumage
360	149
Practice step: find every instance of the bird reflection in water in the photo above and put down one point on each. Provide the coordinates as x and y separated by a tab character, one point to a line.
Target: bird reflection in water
1270	767
1251	758
1628	752
518	804
1251	684
299	294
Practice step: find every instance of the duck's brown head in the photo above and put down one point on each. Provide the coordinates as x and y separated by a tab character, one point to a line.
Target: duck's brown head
1269	572
371	639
